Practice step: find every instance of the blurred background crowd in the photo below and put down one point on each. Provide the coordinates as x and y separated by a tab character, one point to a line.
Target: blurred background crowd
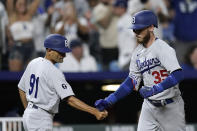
97	31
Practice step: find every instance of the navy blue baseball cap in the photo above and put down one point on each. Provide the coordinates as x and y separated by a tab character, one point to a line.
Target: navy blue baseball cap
57	42
143	19
75	43
121	3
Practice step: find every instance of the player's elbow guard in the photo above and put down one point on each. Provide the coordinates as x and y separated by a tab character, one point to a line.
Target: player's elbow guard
178	75
173	79
125	89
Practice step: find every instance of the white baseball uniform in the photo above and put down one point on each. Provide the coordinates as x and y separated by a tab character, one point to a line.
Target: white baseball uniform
44	85
152	65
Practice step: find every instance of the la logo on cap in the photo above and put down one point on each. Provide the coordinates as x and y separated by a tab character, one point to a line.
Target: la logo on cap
133	20
66	43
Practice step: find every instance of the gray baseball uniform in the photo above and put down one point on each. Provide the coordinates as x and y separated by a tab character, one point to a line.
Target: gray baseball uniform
152	65
44	85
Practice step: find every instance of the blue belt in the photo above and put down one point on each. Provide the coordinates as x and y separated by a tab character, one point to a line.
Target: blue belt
36	107
33	106
160	103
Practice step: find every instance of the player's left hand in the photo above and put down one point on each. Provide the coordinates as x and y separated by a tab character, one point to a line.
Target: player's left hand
146	91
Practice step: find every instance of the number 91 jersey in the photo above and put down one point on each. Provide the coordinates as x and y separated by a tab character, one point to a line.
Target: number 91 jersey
44	84
153	65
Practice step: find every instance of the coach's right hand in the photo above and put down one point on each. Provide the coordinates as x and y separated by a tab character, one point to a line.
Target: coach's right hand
101	115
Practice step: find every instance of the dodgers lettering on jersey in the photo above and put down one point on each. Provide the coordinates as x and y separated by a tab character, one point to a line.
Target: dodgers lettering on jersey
153	65
44	85
146	65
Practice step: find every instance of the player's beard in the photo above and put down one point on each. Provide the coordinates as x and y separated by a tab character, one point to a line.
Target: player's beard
145	40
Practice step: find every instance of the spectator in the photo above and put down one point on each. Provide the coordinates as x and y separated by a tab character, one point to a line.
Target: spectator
106	22
168	30
3	30
167	24
77	61
93	35
71	26
21	28
191	58
42	21
81	7
68	24
126	37
185	29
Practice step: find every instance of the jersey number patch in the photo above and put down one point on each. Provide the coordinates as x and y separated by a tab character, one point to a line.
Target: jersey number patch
33	81
159	75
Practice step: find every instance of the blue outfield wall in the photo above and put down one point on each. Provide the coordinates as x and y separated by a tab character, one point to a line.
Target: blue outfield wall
15	76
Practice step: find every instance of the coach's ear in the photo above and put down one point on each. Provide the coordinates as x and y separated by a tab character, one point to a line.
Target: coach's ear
151	28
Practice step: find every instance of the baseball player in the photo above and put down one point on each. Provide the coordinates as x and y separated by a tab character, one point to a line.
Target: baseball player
43	85
154	62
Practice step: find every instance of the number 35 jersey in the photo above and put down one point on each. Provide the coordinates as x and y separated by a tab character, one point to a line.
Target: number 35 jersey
44	85
153	65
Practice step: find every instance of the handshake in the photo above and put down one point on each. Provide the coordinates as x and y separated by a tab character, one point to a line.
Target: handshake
145	92
101	105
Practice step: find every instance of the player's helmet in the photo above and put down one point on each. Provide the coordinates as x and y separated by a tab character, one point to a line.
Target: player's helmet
57	42
143	19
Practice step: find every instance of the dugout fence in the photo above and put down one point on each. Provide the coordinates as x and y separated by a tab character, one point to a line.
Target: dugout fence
11	124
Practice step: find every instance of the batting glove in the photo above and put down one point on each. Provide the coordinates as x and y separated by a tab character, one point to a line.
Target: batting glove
101	104
146	91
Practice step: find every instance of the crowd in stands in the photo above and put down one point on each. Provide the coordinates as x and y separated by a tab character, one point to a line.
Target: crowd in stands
97	31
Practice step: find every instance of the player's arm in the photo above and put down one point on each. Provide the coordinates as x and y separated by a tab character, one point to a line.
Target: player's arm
173	79
125	89
23	98
80	105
